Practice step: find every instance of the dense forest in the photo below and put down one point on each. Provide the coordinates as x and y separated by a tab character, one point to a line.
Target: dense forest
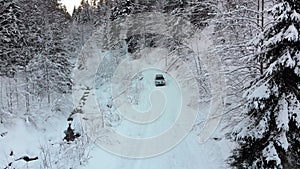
256	42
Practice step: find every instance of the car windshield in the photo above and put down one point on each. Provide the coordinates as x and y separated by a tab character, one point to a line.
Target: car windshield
159	77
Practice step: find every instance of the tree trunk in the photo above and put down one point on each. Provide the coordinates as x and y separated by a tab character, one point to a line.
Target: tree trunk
1	93
260	23
27	97
17	93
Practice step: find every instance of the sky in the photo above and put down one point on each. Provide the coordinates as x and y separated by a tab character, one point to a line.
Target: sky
70	4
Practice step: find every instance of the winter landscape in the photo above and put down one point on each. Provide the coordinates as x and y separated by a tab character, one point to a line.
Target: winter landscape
149	84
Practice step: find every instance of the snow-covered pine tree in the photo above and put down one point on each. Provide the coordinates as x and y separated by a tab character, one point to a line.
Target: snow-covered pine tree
84	21
56	50
123	8
102	13
268	137
84	13
11	38
49	69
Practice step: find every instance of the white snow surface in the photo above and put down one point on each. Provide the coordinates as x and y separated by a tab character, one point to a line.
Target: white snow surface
188	154
282	120
270	154
26	139
291	34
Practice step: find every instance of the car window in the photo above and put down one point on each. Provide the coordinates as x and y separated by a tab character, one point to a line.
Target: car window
159	77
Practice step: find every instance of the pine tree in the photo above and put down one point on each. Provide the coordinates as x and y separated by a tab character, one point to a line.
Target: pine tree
12	38
55	49
84	13
49	68
268	136
102	13
123	8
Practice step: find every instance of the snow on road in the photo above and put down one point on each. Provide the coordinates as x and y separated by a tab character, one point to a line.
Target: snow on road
165	119
188	154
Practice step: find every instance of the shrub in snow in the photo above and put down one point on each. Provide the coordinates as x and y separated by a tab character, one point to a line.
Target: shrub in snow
65	155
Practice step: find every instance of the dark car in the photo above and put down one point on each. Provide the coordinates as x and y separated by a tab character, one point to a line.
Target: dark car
160	80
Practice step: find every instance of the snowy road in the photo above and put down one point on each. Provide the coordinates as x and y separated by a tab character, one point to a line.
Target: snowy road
139	138
164	118
189	154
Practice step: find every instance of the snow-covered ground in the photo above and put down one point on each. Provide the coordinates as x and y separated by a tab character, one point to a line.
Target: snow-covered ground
42	137
137	91
45	141
24	139
165	118
164	106
188	154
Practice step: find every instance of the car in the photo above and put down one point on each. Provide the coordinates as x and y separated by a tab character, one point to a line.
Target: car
159	80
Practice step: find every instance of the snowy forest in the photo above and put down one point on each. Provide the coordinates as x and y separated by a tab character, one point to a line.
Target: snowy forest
253	45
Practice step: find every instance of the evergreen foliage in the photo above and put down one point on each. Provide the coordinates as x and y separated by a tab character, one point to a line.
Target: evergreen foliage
268	136
12	38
